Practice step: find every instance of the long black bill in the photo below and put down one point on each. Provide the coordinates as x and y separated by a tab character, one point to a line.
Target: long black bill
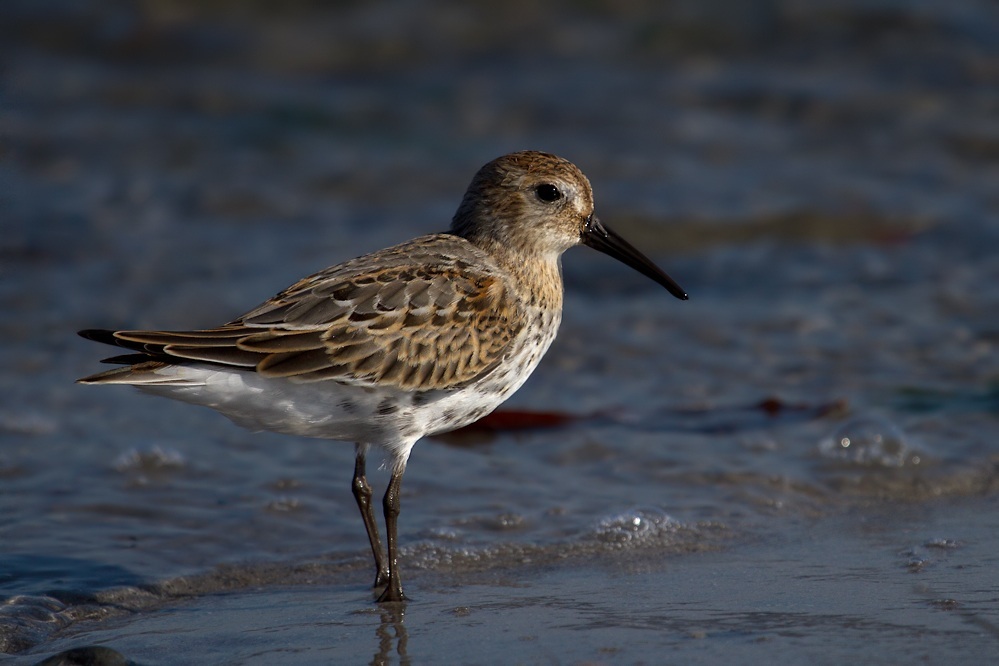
599	237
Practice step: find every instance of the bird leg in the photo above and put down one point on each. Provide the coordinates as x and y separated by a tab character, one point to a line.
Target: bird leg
390	503
362	493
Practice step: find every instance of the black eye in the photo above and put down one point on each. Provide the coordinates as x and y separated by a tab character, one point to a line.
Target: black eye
548	192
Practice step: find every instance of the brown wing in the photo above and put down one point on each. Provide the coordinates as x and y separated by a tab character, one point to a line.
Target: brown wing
389	319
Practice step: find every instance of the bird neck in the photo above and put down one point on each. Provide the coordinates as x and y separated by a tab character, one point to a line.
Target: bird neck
537	276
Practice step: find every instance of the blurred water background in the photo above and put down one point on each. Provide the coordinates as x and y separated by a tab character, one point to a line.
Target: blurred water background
797	465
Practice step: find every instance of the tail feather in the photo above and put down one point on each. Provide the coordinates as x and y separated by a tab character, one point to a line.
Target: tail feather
141	374
144	367
152	351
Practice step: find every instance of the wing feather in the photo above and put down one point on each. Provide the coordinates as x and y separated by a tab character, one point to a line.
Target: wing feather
433	313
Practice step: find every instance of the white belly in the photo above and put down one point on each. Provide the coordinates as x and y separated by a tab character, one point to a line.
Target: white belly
379	415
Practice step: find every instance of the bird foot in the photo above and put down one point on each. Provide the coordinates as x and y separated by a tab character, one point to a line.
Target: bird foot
392	594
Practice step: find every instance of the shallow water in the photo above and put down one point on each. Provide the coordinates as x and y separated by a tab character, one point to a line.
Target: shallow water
798	464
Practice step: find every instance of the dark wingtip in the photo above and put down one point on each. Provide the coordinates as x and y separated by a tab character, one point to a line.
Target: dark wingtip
98	335
127	359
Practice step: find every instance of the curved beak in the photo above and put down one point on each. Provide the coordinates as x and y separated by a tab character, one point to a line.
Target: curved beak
599	237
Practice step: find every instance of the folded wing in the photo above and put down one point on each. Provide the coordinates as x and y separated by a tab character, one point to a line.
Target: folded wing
377	321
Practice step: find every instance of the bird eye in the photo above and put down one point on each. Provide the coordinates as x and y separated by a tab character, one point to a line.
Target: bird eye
547	192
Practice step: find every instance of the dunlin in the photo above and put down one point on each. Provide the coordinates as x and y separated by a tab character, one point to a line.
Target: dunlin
413	340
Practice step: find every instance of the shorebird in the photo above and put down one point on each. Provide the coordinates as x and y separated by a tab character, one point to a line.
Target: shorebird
413	340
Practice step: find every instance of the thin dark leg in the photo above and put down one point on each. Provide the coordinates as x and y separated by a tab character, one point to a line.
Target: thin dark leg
393	592
362	493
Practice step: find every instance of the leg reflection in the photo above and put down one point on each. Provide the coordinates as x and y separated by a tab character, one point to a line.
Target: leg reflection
392	637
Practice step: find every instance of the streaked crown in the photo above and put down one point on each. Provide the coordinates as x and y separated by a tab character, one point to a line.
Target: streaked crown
530	201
